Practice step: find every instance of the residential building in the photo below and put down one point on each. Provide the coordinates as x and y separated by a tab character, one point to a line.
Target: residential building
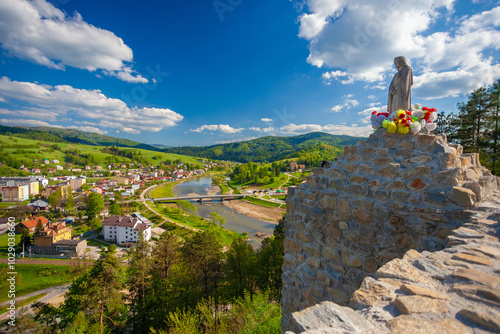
65	189
50	234
123	229
76	184
15	192
31	224
39	205
55	239
59	167
123	180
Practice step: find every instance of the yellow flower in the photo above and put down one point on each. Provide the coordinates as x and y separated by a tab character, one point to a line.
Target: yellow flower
404	129
391	127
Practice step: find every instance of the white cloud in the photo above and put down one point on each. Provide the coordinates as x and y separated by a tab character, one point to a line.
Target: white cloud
234	140
24	122
51	103
267	120
334	129
255	129
359	39
225	128
39	32
268	129
348	103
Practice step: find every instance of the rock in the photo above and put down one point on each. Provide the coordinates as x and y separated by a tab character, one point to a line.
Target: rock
467	233
453	263
401	270
478	290
477	276
416	290
362	216
463	197
418	304
417	183
370	294
487	320
407	324
329	315
487	250
472	259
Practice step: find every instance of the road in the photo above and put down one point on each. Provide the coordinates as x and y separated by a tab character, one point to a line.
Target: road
50	293
146	192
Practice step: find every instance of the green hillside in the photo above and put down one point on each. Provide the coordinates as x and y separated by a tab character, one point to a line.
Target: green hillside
268	149
51	134
21	151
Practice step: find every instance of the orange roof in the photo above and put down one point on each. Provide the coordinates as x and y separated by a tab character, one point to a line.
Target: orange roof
33	222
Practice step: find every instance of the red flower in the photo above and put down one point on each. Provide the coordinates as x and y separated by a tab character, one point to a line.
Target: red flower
433	109
425	108
374	112
408	112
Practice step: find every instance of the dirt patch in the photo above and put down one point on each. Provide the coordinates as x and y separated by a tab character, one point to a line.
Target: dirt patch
256	211
57	300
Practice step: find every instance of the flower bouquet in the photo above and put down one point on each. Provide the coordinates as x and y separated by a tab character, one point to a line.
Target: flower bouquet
405	121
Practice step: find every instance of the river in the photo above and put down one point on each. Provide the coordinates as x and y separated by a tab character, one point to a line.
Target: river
234	221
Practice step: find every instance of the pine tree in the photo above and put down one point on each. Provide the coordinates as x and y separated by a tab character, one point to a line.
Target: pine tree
239	267
139	283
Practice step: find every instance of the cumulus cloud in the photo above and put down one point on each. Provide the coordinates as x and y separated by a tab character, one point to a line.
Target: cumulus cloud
52	103
334	129
41	33
348	103
253	128
225	128
267	120
359	40
34	123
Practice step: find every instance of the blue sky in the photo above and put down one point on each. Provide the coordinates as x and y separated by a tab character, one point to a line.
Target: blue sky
205	72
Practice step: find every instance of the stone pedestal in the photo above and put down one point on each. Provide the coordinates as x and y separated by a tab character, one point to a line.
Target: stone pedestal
384	196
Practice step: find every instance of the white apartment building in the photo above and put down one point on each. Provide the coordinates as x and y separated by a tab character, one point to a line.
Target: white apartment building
122	229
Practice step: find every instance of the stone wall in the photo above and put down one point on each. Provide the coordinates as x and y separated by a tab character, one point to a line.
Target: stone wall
384	196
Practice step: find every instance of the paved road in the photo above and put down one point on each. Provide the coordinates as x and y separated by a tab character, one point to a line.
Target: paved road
51	293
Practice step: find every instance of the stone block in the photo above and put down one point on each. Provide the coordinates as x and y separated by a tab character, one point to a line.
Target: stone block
409	144
313	262
335	173
472	259
404	154
381	194
399	195
425	141
291	245
397	185
328	201
381	161
463	197
302	237
417	184
407	324
343	225
419	291
337	184
351	259
367	152
344	206
350	150
367	170
332	231
477	276
362	216
391	143
349	167
357	179
484	319
418	304
382	152
331	253
318	170
312	250
417	171
390	170
358	190
435	197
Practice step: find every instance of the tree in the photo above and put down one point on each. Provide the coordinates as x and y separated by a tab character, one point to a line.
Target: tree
96	205
165	256
97	293
202	253
26	239
114	208
139	282
39	225
54	198
187	206
216	218
239	267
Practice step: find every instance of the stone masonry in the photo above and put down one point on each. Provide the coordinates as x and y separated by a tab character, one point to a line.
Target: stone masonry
383	197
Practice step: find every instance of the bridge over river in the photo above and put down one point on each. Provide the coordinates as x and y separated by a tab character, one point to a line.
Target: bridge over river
196	198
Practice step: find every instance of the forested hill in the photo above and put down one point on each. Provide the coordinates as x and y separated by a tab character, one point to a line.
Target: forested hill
315	145
60	135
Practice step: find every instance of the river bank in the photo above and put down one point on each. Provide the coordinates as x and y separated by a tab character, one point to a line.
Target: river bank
256	211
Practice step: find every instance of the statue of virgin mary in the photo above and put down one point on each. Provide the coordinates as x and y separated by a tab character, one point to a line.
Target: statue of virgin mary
400	88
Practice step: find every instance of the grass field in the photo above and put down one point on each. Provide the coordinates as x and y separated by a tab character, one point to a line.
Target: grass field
97	243
193	221
4	244
261	202
37	149
165	190
34	277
